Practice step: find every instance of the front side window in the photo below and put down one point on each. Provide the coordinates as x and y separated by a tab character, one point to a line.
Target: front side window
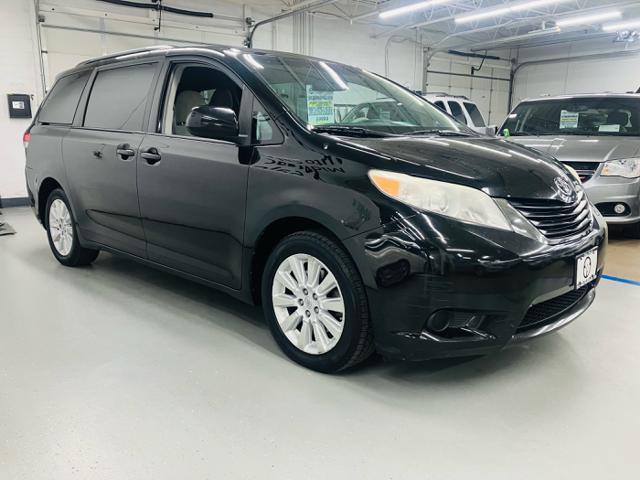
597	116
60	106
474	113
119	97
456	111
333	95
197	86
440	105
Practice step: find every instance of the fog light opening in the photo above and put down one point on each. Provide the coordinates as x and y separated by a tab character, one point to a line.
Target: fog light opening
455	324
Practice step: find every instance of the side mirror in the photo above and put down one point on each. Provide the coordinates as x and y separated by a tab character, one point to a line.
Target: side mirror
213	122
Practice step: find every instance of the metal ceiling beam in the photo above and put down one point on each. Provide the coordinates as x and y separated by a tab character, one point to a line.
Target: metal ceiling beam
530	19
308	5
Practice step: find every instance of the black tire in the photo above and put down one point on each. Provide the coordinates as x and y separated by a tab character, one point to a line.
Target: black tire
78	255
633	230
356	341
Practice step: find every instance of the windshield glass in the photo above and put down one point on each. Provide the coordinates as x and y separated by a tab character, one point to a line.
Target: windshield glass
326	94
596	116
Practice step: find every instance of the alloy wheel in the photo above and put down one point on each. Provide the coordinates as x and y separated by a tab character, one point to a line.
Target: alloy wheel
60	227
308	304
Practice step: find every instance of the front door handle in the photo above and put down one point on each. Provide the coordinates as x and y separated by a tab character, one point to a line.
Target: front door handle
125	151
151	155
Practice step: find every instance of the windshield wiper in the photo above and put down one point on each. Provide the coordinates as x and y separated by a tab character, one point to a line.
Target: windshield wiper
346	130
440	132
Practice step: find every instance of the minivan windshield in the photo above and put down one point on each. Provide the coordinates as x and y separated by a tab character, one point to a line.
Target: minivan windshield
593	116
339	98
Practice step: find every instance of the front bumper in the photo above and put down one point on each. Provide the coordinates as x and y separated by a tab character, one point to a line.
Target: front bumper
419	267
612	190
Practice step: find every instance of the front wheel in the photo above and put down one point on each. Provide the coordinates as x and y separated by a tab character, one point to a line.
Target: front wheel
315	303
62	234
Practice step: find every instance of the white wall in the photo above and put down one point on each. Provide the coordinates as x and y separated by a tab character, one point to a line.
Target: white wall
615	71
19	73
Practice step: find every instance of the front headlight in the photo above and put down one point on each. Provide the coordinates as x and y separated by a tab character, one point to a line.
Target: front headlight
626	167
462	203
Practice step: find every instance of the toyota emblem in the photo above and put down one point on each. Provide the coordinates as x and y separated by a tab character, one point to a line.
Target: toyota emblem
565	190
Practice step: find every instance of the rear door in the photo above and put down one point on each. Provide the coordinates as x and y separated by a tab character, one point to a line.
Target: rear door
193	190
100	155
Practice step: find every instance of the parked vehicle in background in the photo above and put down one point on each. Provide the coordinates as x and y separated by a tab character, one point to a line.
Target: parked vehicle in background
596	134
463	110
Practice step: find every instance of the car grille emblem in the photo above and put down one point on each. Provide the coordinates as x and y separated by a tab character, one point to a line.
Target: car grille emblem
565	191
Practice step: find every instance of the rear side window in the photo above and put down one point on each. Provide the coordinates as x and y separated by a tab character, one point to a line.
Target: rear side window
456	111
119	97
475	114
60	105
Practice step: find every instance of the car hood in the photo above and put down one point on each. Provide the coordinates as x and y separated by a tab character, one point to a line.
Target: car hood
495	166
582	148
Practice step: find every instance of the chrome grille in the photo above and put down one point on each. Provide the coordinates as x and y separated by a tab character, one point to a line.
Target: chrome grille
556	219
585	170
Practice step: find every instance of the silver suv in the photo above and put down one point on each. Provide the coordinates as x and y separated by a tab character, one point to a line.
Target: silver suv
596	134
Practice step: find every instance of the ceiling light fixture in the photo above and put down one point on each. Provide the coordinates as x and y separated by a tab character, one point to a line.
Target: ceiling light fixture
414	7
617	27
596	18
497	12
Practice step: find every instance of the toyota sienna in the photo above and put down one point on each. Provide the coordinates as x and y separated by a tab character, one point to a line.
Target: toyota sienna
406	234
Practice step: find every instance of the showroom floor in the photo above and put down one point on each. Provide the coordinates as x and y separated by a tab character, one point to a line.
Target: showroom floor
118	371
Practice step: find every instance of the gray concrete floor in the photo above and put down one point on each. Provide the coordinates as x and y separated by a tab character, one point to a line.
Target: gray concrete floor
117	371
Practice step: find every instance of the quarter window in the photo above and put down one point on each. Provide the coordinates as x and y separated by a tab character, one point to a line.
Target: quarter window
119	97
263	128
60	106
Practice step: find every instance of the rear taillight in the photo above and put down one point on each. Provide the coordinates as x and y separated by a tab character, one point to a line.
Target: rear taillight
25	138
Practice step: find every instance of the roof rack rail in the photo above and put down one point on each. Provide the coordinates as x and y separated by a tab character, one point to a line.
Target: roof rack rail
133	51
445	94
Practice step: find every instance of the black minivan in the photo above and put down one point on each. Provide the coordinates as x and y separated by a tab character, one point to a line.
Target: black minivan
395	229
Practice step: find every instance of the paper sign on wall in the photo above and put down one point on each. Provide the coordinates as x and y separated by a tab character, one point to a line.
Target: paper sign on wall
320	108
569	119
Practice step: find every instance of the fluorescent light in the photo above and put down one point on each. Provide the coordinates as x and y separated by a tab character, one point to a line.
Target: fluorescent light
334	75
496	12
588	19
414	7
252	61
617	27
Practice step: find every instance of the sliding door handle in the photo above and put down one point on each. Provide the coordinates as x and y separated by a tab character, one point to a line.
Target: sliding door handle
151	155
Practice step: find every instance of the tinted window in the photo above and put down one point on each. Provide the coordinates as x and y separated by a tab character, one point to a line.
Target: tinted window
440	105
475	114
577	116
456	111
60	106
119	97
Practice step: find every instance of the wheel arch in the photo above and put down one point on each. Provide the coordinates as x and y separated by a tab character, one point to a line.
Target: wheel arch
48	185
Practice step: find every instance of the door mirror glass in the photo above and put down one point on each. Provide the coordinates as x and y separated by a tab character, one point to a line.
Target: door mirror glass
219	123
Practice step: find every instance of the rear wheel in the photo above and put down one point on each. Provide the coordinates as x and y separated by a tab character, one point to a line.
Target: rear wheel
315	303
61	232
